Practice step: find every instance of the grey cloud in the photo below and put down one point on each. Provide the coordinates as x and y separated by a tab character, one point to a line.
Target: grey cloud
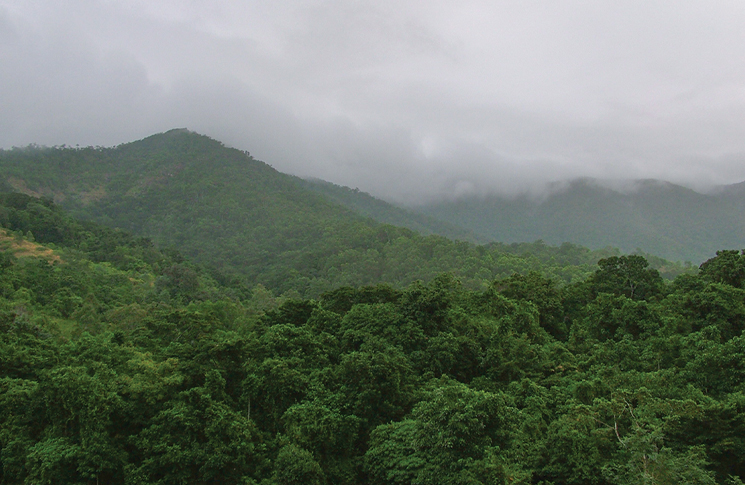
408	100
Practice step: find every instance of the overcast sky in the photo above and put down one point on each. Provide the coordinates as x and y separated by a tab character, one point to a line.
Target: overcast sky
405	99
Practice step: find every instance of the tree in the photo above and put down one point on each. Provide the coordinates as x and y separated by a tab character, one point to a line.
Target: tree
197	438
543	293
296	466
727	267
628	276
453	436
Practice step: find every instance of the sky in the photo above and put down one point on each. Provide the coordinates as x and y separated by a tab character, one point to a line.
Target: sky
408	100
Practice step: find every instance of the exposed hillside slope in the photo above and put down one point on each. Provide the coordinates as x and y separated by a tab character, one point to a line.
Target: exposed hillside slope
659	218
226	209
66	276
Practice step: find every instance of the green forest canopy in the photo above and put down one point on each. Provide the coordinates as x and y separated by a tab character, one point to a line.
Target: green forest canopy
122	363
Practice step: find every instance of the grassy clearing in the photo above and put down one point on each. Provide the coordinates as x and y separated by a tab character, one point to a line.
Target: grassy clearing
23	248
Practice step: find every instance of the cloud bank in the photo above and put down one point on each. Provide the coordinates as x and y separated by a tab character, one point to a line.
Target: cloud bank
409	100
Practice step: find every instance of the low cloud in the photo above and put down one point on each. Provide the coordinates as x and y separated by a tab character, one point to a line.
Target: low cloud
407	100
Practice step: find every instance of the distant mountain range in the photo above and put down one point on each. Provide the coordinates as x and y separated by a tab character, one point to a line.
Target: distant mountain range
656	217
649	216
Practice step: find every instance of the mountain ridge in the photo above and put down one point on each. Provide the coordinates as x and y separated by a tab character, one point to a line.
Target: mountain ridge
658	217
102	184
221	207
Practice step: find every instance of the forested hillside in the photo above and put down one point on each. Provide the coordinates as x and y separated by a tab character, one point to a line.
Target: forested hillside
222	207
124	364
241	217
660	218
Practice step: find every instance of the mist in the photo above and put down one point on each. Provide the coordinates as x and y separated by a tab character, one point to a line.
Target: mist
410	101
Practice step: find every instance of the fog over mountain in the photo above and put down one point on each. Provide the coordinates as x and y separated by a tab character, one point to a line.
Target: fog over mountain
407	100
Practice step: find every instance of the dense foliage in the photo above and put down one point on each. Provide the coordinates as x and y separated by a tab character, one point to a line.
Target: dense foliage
122	364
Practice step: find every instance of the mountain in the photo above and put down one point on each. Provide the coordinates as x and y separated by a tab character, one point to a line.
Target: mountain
656	217
225	209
